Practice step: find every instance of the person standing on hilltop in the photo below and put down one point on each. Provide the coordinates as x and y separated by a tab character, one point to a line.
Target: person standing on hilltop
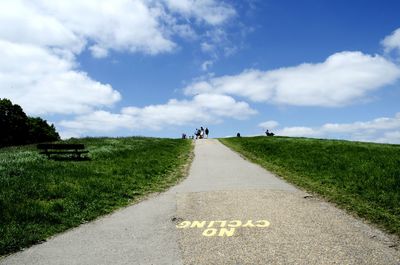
207	131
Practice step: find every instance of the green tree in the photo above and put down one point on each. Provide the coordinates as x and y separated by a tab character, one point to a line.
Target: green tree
16	128
40	131
13	124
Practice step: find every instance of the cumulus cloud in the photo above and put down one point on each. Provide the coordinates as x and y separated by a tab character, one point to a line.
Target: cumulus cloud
268	125
299	131
206	65
43	82
392	42
40	41
218	43
384	130
341	79
390	137
207	47
25	22
98	52
209	11
205	108
120	25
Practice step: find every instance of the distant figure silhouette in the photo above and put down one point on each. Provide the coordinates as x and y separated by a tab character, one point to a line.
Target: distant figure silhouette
238	135
269	133
207	131
197	133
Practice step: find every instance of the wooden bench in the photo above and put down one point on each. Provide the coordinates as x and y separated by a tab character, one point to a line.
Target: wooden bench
74	149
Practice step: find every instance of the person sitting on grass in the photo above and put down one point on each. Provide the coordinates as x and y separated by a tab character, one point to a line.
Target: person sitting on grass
269	133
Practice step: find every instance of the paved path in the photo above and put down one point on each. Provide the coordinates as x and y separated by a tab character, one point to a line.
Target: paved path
228	211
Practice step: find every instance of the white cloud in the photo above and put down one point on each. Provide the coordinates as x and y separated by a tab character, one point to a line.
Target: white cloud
25	22
390	137
40	41
98	52
43	82
183	30
392	42
218	43
384	130
299	131
268	125
209	11
205	65
204	108
95	122
374	125
207	47
121	25
342	79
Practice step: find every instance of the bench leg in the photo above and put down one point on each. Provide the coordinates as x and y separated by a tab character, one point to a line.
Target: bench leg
77	154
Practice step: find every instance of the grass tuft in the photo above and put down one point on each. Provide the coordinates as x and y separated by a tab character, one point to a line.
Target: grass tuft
363	178
40	197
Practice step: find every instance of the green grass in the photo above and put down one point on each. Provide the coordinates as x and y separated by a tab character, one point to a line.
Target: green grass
363	178
41	197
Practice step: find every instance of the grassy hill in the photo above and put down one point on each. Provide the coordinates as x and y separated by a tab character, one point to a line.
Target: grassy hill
40	197
363	178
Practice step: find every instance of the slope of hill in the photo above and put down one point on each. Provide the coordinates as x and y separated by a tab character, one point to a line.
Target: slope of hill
40	197
363	178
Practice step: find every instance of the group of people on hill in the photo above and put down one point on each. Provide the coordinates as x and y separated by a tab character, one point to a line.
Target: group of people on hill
201	133
198	134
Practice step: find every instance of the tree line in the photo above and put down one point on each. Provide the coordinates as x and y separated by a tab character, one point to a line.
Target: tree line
16	128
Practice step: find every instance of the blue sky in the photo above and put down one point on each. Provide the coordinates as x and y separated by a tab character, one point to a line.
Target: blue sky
326	69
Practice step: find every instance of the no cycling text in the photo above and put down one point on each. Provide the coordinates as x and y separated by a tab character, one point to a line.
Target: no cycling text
222	228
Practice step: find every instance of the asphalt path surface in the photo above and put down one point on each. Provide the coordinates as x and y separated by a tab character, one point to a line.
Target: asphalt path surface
228	211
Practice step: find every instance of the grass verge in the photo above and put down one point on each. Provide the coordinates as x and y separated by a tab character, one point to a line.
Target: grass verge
40	197
363	178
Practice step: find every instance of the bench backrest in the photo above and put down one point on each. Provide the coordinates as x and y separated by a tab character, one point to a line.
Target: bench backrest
60	146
